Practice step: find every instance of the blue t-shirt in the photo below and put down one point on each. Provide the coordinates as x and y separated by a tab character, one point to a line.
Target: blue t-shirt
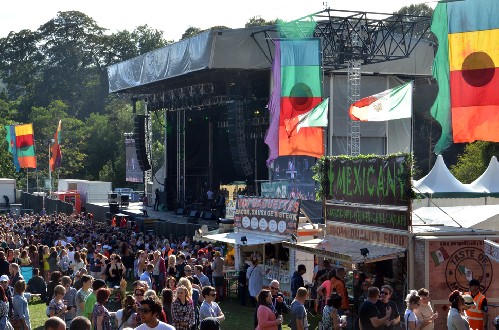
298	312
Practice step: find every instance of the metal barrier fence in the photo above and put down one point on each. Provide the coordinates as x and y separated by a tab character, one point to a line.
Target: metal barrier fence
37	203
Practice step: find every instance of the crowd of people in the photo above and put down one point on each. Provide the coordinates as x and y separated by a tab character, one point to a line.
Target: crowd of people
82	269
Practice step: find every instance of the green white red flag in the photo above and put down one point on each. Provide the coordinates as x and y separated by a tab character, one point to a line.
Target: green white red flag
317	117
394	103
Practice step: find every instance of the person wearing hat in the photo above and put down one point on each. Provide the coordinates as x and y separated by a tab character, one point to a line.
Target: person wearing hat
9	292
477	314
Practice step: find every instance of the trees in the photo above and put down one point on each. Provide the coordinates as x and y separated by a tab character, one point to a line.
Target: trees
474	161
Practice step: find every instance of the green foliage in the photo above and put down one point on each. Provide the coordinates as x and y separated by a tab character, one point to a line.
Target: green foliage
190	32
259	21
474	161
420	9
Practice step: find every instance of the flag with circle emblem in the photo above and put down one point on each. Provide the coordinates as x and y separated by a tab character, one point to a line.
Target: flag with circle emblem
301	91
466	67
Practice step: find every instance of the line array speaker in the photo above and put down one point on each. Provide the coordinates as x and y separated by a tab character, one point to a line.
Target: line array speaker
139	134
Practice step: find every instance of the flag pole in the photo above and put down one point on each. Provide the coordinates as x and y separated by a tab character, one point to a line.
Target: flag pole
50	172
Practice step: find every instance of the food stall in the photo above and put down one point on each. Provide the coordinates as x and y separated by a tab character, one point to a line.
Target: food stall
261	227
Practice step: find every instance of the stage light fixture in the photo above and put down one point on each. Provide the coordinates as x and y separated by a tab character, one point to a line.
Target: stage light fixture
364	252
244	240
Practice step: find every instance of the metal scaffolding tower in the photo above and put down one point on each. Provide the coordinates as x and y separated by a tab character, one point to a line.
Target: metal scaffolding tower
353	92
181	157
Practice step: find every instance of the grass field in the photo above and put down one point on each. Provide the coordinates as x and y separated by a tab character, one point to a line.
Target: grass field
236	316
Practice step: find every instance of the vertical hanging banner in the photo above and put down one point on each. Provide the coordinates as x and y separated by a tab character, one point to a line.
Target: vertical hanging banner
56	159
301	91
466	68
25	146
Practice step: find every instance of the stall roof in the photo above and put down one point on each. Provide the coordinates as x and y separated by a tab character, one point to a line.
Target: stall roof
253	238
349	251
470	216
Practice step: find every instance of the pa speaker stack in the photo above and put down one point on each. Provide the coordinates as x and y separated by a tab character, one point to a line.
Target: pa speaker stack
139	134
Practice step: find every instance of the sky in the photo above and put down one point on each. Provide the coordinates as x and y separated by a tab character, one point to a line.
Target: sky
173	17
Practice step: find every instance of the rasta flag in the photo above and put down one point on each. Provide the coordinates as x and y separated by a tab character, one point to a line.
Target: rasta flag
297	90
466	67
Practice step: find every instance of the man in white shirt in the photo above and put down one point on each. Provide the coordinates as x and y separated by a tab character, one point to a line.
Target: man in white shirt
203	279
149	310
209	308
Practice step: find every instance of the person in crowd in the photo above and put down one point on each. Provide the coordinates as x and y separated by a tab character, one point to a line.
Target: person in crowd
54	323
456	318
477	314
278	298
15	276
194	293
20	311
383	303
172	263
79	262
297	279
171	283
159	270
9	291
330	316
324	289
266	315
126	317
209	308
24	259
254	277
209	323
411	320
149	310
181	263
64	262
298	313
167	300
46	265
146	276
318	274
70	300
127	256
4	310
55	280
203	279
114	271
96	264
183	310
36	284
425	310
53	260
338	285
57	306
80	323
4	264
82	294
92	298
217	267
101	318
369	317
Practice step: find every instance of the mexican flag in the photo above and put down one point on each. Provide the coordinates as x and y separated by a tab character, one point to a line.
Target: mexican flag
317	117
439	256
394	103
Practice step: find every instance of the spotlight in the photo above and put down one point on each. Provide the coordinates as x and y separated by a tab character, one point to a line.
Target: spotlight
294	238
244	240
364	252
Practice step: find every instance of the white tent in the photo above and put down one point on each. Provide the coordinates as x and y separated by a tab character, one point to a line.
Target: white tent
478	217
488	182
441	183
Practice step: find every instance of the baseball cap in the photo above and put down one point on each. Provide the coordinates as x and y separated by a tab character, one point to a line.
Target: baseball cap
4	278
474	282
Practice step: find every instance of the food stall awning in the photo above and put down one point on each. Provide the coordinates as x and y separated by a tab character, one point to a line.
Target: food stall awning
251	238
347	251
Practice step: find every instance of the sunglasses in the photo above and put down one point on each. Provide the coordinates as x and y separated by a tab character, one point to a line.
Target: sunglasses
272	288
213	294
3	282
139	294
144	310
385	293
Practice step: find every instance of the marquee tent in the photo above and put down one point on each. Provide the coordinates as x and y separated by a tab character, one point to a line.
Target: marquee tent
488	182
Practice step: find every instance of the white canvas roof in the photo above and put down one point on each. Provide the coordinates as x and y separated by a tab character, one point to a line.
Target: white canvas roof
477	217
488	182
253	238
441	181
